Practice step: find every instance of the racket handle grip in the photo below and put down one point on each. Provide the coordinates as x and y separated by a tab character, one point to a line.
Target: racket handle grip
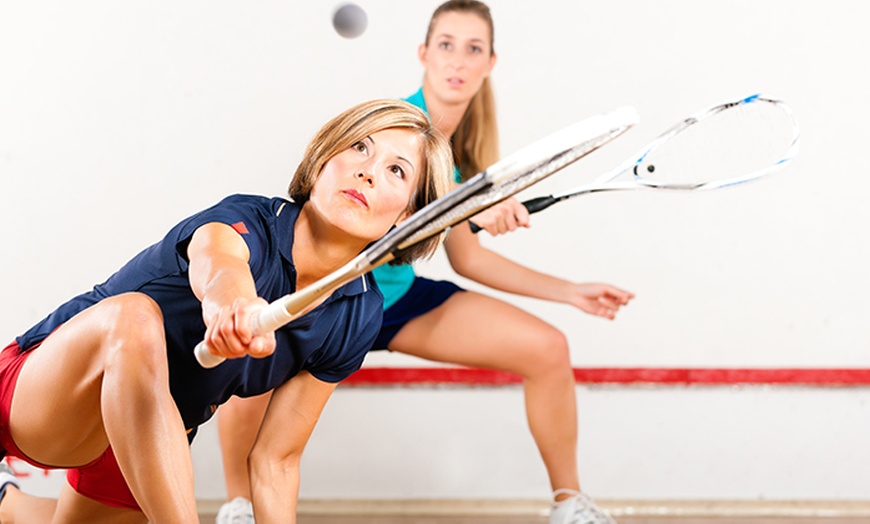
539	204
270	318
206	359
533	205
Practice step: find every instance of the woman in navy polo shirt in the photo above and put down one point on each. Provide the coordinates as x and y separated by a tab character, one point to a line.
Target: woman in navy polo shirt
107	386
439	321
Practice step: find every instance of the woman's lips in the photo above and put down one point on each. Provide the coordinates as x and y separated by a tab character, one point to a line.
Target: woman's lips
355	195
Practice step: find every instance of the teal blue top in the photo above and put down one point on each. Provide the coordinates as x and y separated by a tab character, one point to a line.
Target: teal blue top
395	281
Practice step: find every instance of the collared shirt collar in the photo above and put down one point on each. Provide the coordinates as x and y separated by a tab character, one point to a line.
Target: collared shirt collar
286	214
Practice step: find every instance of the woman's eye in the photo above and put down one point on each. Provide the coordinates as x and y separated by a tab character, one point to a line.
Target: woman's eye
398	171
476	50
445	45
360	146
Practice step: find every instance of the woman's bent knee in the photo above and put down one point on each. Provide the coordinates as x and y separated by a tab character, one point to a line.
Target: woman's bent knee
133	329
552	349
133	315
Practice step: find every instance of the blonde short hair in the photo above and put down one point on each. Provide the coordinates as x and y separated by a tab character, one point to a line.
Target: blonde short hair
367	118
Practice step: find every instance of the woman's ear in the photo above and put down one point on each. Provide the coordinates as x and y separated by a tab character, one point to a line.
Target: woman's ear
492	60
404	216
421	54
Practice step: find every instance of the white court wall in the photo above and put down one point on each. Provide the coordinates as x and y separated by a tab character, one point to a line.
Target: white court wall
119	119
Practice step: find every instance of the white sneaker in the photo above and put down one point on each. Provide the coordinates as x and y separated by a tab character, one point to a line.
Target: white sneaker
237	511
577	509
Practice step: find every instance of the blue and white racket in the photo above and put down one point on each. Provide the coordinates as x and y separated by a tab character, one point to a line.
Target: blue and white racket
722	146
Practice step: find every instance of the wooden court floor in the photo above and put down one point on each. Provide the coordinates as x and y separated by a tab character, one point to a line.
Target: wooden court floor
525	512
543	520
209	517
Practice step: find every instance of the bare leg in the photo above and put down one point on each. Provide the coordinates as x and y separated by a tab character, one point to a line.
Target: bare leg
496	335
18	506
238	424
92	512
102	379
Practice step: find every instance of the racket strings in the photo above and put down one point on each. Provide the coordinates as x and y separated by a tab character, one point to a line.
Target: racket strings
735	143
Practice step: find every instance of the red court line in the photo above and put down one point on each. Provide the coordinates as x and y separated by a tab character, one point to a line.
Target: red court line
389	376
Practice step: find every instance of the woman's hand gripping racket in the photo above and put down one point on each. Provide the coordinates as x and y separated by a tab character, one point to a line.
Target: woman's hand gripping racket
722	146
501	180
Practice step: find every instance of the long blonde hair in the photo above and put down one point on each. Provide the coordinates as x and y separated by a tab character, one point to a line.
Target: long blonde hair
368	118
475	141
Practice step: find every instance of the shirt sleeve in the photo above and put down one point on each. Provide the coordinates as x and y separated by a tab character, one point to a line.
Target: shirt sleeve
244	214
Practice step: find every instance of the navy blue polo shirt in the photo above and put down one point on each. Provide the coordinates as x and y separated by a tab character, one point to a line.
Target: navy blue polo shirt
330	342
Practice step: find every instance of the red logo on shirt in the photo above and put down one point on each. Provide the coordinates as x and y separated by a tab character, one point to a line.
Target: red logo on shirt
240	228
